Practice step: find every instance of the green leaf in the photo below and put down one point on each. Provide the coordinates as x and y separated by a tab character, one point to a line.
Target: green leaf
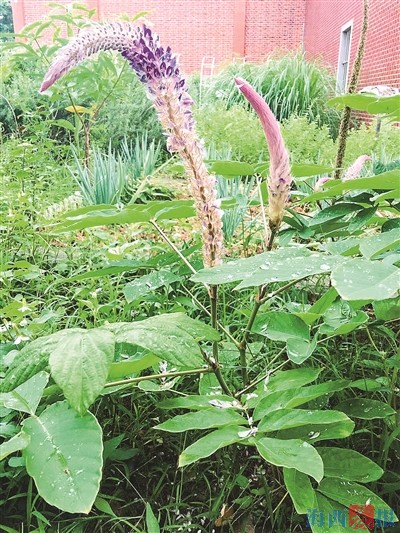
64	457
200	402
290	379
334	212
151	521
33	358
80	365
361	279
203	419
346	326
232	168
209	444
295	397
66	124
241	268
302	170
104	215
281	326
102	505
326	516
289	418
376	245
295	453
132	366
15	444
26	397
324	302
299	350
370	103
148	284
350	493
290	268
387	309
349	464
300	489
365	408
173	337
385	181
318	432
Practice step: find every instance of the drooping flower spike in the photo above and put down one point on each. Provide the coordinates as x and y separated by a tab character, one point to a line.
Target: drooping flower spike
280	179
355	169
158	69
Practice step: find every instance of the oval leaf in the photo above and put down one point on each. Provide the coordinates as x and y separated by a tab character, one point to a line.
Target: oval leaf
349	465
80	365
365	408
64	457
295	453
202	419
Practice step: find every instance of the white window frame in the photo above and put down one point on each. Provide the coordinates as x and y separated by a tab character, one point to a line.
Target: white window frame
346	35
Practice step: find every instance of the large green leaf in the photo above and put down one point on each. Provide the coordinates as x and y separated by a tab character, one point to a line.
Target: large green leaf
15	444
361	279
80	365
147	284
349	464
387	309
26	397
33	358
202	419
318	432
386	181
200	402
290	268
365	408
289	418
326	516
173	337
64	457
239	269
291	379
350	493
375	245
295	397
335	212
300	489
370	103
103	215
295	453
209	444
281	326
132	366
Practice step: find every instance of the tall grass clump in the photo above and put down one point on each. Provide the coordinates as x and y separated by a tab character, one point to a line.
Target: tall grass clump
290	84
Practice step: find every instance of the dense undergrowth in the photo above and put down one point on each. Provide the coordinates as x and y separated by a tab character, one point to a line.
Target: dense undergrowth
327	304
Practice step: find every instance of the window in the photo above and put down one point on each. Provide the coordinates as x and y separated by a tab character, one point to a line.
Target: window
344	56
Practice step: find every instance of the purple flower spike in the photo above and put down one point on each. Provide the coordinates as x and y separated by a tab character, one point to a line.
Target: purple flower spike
355	169
157	68
279	170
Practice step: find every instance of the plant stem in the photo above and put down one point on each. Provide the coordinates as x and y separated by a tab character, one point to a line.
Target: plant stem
258	380
272	235
172	245
244	341
164	375
205	310
345	120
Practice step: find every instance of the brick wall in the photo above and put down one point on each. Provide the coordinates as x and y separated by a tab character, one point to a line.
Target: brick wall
273	25
197	28
324	20
254	28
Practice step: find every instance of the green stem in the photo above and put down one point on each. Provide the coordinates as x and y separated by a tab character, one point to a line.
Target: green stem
165	375
244	341
172	245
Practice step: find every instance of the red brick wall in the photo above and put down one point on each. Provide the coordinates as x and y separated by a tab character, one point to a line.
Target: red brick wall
198	28
324	20
254	28
273	25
